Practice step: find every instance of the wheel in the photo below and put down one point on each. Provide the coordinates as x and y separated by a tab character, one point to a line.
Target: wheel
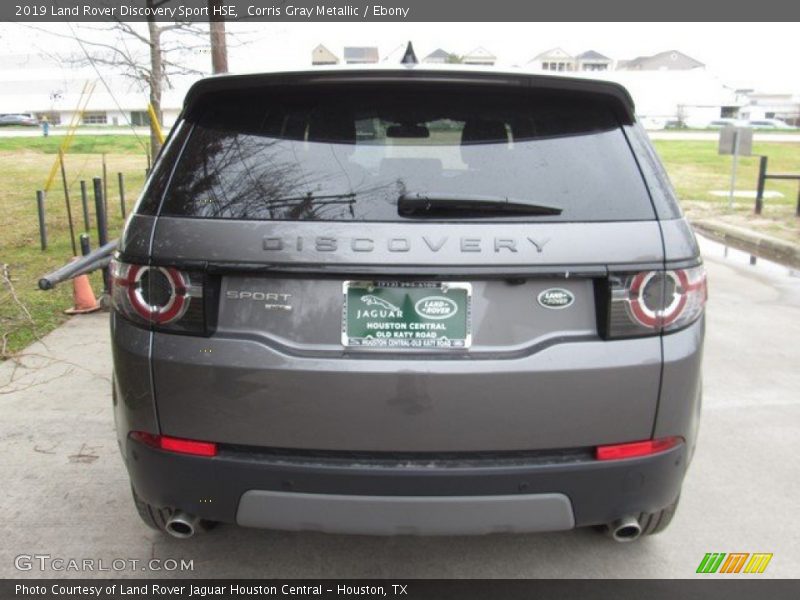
652	523
155	518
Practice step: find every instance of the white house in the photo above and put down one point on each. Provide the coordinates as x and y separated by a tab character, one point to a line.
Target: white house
554	59
479	56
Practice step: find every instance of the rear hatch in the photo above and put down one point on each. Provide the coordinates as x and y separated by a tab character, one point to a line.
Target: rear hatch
406	266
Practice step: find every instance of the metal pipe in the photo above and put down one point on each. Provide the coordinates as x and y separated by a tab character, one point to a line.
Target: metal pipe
86	245
85	204
96	259
182	525
625	529
42	223
762	176
121	179
102	225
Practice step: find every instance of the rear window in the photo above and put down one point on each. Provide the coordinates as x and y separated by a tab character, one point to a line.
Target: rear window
348	155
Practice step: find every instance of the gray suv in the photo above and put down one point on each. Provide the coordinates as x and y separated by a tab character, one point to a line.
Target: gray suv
407	301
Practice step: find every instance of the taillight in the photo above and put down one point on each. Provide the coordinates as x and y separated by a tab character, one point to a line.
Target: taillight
159	296
636	449
179	445
652	302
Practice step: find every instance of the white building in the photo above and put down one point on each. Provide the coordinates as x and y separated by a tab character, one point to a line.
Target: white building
36	85
479	56
555	59
761	105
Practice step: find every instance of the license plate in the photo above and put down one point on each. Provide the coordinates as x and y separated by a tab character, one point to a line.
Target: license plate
398	314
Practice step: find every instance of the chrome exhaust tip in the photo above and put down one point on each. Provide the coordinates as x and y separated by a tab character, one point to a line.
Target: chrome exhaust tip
182	525
625	529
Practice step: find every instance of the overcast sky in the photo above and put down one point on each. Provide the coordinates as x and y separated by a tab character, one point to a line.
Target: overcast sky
758	55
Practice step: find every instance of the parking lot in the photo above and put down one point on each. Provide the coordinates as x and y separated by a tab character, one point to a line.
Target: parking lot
65	491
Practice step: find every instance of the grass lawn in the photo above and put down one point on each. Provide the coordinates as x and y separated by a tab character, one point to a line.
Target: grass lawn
694	166
696	170
25	164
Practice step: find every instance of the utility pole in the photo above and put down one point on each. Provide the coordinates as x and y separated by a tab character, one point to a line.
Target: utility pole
219	49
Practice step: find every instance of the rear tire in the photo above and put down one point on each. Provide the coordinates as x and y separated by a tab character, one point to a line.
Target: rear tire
652	523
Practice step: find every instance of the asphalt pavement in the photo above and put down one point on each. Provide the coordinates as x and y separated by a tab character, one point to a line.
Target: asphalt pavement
66	495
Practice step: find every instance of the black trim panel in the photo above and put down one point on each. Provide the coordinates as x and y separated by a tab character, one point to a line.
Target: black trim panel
600	491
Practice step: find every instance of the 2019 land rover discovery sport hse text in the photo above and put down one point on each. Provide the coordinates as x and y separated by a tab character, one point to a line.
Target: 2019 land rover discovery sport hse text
407	300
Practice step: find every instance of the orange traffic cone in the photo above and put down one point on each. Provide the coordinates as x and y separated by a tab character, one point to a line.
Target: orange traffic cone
85	301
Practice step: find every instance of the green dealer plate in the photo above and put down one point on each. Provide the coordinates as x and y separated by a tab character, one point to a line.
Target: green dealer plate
400	314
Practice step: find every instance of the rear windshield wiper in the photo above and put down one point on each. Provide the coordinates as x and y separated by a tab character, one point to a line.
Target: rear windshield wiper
439	204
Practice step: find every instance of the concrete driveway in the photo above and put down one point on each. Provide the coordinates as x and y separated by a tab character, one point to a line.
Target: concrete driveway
65	490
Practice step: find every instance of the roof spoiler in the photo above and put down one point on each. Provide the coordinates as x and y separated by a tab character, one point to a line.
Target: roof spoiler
229	83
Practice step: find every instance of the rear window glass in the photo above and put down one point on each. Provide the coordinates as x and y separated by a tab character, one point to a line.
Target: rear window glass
349	155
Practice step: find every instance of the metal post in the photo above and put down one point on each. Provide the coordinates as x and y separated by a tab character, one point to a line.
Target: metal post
85	204
42	224
762	177
105	183
735	165
121	179
102	224
797	210
66	200
86	245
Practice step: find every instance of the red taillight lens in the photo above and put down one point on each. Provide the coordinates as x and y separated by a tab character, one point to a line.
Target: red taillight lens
180	445
636	449
158	295
651	302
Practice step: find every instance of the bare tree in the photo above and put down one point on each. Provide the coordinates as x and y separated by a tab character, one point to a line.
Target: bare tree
149	56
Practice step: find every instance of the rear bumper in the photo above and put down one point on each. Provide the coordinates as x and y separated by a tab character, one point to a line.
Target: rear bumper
478	495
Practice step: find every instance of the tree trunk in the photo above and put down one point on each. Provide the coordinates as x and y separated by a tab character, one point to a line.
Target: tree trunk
156	77
219	49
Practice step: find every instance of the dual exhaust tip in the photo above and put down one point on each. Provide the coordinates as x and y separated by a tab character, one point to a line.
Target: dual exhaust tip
183	526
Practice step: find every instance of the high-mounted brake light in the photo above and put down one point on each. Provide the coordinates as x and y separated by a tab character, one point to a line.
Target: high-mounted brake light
179	445
158	296
636	449
651	302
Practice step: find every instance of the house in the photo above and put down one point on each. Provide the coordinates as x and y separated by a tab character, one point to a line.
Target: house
479	56
592	61
322	56
555	59
438	57
360	55
671	60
